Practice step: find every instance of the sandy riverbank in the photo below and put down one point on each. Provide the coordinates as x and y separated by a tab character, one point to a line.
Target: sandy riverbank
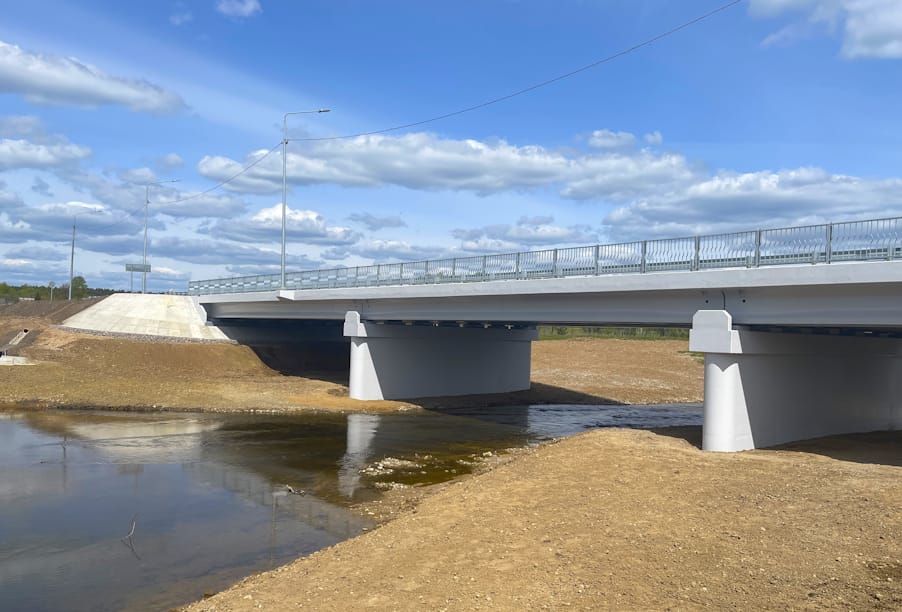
90	371
609	519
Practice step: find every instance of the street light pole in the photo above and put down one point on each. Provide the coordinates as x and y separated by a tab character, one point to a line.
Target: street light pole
285	179
72	260
146	205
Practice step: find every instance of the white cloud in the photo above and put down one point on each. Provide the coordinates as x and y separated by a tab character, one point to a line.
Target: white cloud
373	222
25	154
527	232
170	162
654	138
53	79
384	251
730	201
266	226
607	139
424	161
239	8
869	28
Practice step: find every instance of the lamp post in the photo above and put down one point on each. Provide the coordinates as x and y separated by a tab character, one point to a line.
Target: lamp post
146	205
72	254
285	179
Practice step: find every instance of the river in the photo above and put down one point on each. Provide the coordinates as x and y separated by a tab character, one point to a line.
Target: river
137	511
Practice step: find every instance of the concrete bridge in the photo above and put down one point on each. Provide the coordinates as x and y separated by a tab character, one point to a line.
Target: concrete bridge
801	327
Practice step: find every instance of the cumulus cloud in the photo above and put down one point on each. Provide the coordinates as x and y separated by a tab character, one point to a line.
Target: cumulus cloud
374	223
869	28
526	233
9	199
654	138
730	201
164	198
24	154
266	226
607	139
54	79
384	251
424	161
239	8
38	253
169	162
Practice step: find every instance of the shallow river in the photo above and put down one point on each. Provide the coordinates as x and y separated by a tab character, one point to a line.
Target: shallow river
113	511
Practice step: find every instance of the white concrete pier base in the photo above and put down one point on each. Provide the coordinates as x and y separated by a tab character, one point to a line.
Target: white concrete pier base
393	361
763	389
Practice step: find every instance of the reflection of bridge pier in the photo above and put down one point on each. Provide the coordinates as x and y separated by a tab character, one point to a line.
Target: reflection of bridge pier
361	433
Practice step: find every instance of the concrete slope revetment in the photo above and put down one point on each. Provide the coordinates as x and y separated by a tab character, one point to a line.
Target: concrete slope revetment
169	316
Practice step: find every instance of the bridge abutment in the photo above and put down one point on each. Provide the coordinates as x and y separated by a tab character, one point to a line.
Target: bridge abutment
396	361
764	388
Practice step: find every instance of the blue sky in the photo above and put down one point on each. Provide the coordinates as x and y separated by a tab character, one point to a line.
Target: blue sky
769	113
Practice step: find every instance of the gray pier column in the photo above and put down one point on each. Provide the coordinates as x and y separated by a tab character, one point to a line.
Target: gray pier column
763	388
395	361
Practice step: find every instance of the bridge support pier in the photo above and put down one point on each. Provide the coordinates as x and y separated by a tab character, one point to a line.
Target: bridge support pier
395	361
764	388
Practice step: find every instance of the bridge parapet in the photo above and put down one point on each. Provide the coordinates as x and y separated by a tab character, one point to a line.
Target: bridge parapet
874	239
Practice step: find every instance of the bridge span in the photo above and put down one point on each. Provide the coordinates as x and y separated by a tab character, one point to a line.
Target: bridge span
792	350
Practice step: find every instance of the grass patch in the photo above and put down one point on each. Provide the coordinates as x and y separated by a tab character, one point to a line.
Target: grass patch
564	332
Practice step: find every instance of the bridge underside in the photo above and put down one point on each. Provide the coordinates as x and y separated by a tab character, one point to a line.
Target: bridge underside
790	354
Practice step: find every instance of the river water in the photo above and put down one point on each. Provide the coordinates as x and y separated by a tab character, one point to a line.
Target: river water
130	511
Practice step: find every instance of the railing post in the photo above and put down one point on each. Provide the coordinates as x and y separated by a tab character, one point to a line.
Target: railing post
426	272
454	268
378	274
554	264
401	280
642	265
757	248
596	259
828	250
483	267
695	258
517	268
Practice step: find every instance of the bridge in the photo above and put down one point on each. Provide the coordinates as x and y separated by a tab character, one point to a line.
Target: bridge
801	327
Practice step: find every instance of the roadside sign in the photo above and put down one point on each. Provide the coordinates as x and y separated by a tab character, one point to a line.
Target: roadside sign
137	267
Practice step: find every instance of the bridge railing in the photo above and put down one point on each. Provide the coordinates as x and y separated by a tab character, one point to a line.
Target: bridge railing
874	239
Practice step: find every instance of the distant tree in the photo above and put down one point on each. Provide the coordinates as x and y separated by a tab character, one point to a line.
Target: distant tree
79	288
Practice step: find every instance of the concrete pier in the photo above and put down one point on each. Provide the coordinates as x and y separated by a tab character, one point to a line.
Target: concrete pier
763	388
396	361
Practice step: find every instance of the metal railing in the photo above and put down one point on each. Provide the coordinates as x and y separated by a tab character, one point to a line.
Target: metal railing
875	239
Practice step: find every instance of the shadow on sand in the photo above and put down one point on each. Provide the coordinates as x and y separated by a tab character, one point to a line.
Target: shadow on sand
877	447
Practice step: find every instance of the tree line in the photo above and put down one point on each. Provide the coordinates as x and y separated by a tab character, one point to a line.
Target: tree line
80	290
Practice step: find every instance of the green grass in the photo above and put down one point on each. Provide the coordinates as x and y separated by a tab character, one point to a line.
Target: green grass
563	332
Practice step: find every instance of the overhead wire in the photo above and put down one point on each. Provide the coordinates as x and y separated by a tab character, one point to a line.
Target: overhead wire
545	83
607	59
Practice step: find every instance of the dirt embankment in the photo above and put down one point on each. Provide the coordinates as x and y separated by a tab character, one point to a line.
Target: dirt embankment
606	520
80	370
621	520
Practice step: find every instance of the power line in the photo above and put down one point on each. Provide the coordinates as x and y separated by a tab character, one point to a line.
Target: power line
520	92
133	213
230	179
545	83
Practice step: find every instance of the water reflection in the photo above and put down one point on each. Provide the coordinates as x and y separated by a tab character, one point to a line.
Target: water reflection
104	511
361	433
